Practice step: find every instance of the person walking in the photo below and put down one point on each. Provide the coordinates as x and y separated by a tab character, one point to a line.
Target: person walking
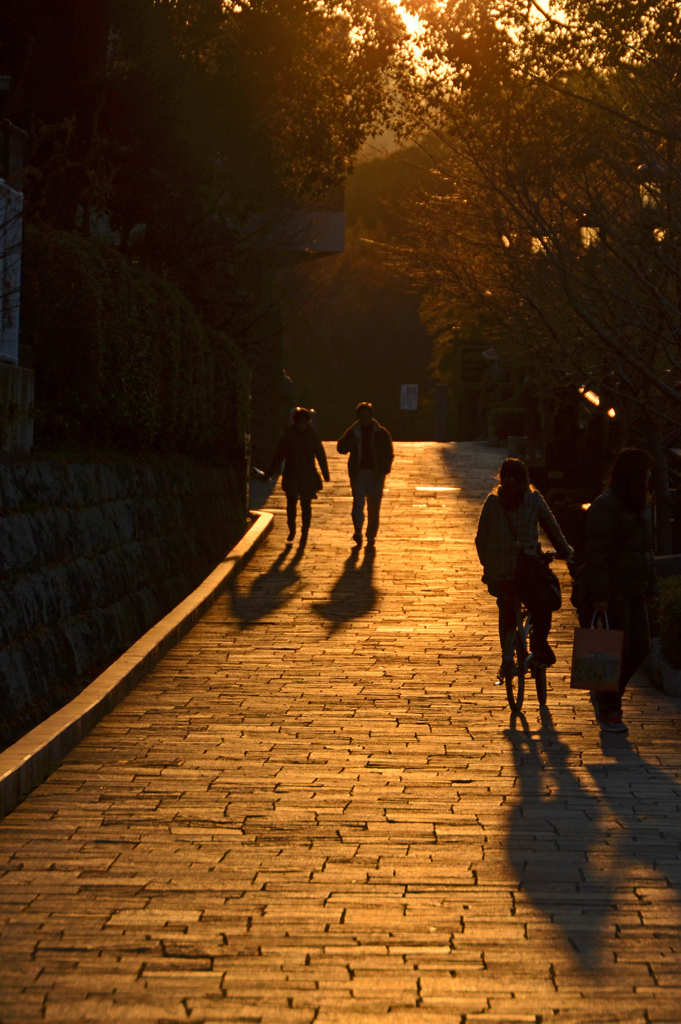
508	523
298	448
618	574
370	450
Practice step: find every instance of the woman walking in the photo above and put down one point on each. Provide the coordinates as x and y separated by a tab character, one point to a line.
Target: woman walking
298	448
618	576
508	524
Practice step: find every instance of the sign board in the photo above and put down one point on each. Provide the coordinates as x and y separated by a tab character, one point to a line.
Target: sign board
409	400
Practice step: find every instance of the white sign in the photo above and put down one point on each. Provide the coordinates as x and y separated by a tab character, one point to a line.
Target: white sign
410	397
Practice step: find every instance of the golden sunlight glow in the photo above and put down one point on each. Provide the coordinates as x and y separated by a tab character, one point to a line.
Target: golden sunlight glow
586	505
590	396
590	236
651	195
611	413
410	20
438	488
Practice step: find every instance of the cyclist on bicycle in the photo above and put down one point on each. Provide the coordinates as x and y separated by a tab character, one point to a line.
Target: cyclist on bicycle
515	500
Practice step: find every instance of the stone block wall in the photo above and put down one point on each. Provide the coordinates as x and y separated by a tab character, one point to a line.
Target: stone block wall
91	556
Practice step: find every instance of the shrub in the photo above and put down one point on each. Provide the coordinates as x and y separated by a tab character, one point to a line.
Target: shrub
121	357
670	619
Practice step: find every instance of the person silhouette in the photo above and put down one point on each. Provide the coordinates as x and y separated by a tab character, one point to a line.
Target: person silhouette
298	448
618	575
370	450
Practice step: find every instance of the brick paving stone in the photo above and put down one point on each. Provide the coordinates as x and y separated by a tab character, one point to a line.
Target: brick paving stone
317	808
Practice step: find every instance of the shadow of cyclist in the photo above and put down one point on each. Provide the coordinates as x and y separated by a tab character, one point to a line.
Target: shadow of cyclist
353	594
270	590
554	825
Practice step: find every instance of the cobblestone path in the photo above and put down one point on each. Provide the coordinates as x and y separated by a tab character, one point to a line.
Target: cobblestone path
317	808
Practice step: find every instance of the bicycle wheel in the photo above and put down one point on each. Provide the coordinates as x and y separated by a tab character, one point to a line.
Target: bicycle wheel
514	670
540	680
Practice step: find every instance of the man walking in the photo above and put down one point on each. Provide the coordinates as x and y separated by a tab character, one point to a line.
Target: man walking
370	448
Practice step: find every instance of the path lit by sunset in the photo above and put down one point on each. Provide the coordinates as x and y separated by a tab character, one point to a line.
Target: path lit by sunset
317	808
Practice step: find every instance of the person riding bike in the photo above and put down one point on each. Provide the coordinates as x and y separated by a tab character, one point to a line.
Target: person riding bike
508	523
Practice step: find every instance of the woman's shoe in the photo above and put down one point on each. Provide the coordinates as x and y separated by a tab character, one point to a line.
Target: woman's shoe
612	722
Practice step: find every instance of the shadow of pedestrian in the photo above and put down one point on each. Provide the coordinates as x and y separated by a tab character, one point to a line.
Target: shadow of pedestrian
270	590
644	803
555	835
353	594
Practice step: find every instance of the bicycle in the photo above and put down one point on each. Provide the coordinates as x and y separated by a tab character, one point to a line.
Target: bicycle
518	660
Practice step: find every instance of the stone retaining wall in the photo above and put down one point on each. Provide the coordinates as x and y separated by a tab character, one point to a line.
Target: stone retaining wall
90	557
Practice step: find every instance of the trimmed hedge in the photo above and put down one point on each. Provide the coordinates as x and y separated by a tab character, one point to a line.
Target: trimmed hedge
670	619
121	357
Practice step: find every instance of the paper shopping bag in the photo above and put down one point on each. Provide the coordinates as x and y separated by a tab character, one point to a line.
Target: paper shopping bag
596	659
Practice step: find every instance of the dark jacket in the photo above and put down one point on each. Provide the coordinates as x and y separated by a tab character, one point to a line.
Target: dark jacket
381	449
618	551
299	452
496	546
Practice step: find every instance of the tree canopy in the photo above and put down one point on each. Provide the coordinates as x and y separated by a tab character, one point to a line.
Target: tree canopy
552	222
191	116
259	95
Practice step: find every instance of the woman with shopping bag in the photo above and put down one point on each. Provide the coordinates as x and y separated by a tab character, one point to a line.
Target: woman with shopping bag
618	576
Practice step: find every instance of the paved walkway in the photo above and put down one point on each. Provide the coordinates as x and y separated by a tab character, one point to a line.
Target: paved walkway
316	809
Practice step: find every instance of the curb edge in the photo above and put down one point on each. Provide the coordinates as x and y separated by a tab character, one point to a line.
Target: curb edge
25	764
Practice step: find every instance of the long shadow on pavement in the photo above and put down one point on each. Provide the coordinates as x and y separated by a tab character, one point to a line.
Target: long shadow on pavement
568	846
645	801
270	590
353	594
553	826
